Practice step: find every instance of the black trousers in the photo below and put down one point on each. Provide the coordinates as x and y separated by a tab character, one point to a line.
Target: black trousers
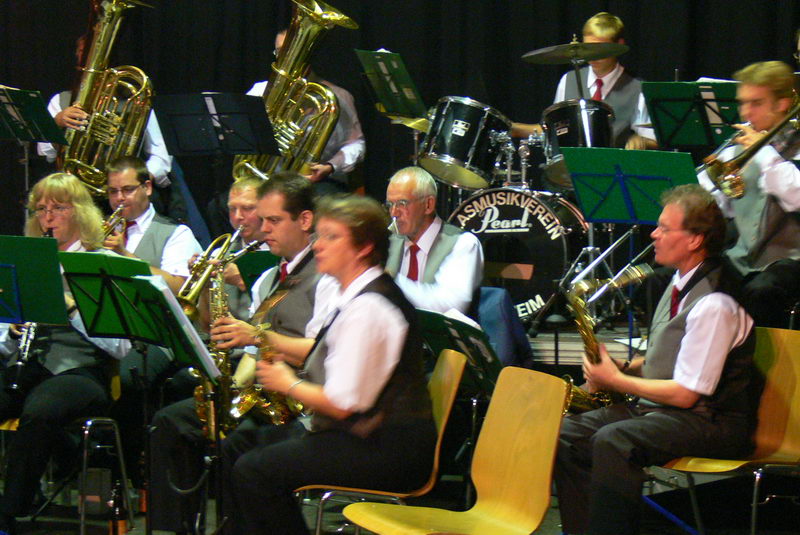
45	404
768	295
263	465
602	453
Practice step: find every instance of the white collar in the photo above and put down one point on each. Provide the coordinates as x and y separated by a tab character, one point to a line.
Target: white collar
425	242
290	265
608	80
679	281
145	218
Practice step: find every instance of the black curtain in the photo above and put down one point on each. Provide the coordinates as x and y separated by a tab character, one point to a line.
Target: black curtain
451	47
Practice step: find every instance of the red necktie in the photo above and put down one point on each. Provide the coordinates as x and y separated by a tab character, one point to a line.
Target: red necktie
676	300
284	272
128	224
598	92
413	268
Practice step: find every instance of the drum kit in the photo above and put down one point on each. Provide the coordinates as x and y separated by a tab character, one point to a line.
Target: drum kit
530	237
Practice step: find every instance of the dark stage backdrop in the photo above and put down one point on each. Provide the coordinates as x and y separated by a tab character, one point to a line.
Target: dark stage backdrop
451	47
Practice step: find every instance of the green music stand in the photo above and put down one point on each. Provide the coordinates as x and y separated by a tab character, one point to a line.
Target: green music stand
625	186
28	293
24	116
252	265
392	86
118	298
689	115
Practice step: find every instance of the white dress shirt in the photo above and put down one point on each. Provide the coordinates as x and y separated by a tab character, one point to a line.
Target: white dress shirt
456	279
365	342
642	115
715	325
180	246
346	146
159	162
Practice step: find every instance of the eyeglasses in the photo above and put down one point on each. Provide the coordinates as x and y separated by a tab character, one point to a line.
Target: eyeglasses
126	191
401	204
57	210
663	229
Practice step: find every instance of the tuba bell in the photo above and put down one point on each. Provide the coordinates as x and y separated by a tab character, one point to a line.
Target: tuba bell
303	113
118	101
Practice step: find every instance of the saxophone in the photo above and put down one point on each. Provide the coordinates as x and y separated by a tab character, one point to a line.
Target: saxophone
303	114
118	102
579	400
266	406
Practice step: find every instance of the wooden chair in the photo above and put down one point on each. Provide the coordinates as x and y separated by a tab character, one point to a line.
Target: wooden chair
777	436
442	387
512	467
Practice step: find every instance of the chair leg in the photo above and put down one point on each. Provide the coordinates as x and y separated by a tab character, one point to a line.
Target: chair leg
757	475
695	507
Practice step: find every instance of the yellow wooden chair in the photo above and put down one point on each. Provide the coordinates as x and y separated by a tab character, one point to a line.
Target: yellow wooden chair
511	469
777	436
442	386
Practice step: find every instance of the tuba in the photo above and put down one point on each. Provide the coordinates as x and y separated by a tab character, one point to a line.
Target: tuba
727	176
118	101
303	114
579	400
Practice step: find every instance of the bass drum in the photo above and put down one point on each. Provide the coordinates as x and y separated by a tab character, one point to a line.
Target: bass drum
528	237
458	148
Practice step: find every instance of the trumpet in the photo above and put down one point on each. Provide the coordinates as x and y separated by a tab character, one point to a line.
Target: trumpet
113	222
202	269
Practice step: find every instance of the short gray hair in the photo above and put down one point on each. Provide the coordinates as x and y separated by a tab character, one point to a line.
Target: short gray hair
424	183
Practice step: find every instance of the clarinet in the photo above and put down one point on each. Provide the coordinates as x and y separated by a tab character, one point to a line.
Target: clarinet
25	345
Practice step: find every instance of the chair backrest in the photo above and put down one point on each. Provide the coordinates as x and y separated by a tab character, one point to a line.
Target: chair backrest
777	357
513	462
442	387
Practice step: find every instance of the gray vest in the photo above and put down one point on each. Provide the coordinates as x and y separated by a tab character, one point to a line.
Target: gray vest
766	232
623	99
664	343
404	398
442	245
292	313
151	246
63	349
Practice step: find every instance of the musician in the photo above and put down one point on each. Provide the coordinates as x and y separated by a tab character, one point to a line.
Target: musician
371	425
608	82
346	146
68	373
693	386
148	236
767	217
286	209
449	261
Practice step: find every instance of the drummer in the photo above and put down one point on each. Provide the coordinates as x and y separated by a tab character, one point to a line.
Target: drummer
438	266
608	82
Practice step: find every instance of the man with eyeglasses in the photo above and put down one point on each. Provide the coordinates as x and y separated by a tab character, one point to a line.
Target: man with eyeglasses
346	146
437	265
693	393
167	247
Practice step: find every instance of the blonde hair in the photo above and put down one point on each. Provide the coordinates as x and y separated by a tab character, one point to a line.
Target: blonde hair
246	182
604	25
67	189
776	75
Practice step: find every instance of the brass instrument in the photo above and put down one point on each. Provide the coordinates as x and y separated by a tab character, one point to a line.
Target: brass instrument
579	400
303	114
202	269
267	406
727	176
118	101
113	222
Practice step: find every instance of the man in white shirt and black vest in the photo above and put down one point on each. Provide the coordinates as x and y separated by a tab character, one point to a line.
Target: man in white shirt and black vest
693	393
437	265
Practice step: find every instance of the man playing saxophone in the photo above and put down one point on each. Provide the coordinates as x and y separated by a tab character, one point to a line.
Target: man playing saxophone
285	207
692	386
767	215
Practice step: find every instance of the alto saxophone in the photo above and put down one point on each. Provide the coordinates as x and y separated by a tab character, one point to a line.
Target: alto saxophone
266	406
579	400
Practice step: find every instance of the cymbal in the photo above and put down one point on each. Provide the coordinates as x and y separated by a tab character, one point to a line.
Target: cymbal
560	54
415	123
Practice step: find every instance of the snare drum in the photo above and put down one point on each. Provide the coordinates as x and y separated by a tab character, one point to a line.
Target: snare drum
528	238
573	123
458	148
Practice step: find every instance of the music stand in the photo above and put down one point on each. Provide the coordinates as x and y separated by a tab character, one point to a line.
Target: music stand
253	265
24	117
203	124
118	298
691	115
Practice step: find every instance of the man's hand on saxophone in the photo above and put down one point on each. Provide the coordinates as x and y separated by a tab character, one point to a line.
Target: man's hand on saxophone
228	332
